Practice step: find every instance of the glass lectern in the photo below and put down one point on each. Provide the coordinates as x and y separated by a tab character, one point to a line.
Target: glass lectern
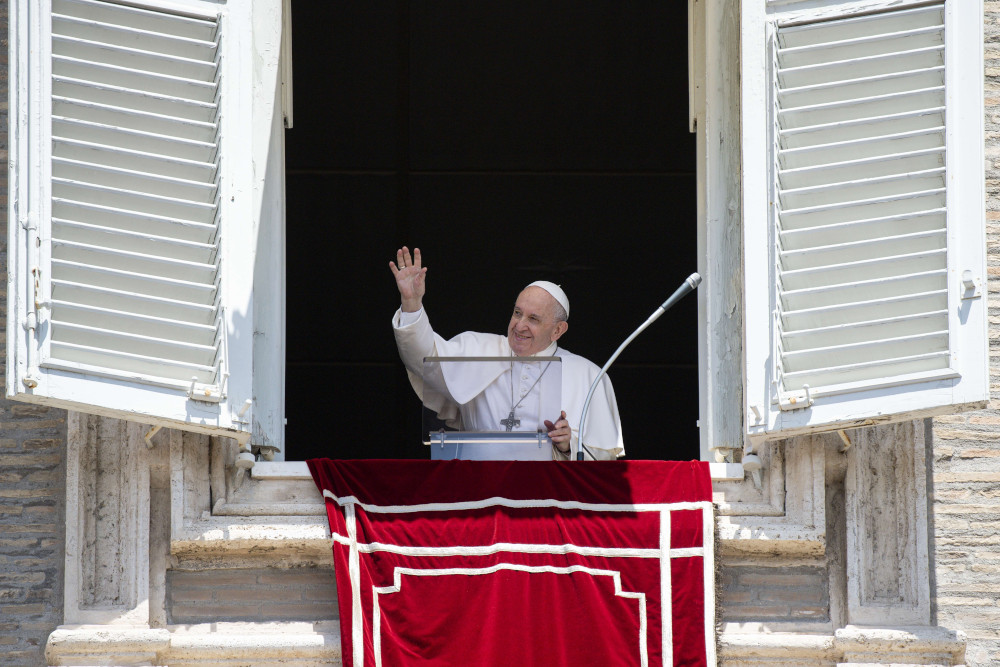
490	408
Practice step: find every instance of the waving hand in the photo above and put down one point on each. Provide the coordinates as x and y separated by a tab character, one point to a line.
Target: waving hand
410	279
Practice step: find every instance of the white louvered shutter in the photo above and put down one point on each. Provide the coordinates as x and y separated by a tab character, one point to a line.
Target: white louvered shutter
122	202
866	217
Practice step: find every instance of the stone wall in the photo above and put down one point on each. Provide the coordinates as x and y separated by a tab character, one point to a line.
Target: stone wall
965	489
32	485
32	499
253	595
767	593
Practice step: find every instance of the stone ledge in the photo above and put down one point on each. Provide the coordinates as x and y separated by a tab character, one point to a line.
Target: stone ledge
262	518
84	644
260	528
262	470
286	645
306	644
223	542
734	646
273	470
933	645
223	508
854	645
772	538
300	644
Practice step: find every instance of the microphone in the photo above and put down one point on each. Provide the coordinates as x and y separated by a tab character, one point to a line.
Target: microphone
689	285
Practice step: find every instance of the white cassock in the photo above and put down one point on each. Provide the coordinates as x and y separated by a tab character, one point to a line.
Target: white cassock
478	400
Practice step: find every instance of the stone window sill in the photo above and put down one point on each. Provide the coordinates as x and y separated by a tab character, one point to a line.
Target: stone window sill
278	508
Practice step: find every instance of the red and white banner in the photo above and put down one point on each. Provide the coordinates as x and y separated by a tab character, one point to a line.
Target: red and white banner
522	563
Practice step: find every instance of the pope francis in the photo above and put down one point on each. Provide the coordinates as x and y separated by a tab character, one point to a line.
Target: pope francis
481	401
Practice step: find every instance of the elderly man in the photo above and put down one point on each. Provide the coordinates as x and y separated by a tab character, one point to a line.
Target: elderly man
538	322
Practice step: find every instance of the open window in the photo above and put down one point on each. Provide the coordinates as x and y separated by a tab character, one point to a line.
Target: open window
863	206
135	216
148	171
120	343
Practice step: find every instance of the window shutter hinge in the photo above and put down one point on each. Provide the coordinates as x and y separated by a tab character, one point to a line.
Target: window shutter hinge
30	225
242	417
972	287
795	400
32	313
206	393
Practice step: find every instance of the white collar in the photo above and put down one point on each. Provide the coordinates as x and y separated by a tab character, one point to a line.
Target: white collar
550	351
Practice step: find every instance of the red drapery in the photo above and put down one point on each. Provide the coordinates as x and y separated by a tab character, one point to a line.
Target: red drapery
522	563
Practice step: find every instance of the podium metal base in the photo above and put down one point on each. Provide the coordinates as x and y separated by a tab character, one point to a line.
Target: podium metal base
489	446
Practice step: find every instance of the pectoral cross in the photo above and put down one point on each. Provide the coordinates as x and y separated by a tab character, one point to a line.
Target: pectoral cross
510	422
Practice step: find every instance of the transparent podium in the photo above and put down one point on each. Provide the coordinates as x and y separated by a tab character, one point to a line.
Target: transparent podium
490	408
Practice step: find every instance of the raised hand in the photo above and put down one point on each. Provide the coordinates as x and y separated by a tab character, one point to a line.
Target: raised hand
410	279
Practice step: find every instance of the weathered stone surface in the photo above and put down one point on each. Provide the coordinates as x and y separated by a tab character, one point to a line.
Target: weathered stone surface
965	488
887	563
32	486
259	594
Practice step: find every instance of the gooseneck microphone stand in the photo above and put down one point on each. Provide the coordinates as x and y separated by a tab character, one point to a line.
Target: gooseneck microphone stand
689	285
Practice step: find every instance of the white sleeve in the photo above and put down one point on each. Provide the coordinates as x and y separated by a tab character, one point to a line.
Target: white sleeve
406	319
415	340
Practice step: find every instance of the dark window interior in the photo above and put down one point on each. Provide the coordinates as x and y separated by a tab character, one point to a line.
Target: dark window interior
511	141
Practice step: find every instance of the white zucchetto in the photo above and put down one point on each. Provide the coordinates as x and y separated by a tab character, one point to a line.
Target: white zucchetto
557	293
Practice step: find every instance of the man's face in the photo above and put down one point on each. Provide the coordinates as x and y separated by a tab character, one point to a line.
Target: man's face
533	326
